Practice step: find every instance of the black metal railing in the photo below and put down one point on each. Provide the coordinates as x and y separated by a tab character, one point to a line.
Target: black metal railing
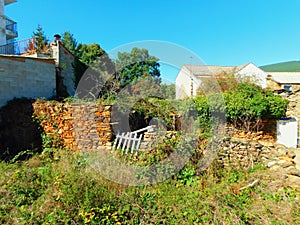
18	48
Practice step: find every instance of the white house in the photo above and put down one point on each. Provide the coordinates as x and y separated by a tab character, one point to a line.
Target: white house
8	27
190	77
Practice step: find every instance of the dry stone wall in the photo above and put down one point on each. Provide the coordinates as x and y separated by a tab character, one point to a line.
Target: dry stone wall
84	127
239	153
243	154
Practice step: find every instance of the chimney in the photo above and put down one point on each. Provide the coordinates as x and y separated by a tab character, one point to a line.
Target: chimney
57	37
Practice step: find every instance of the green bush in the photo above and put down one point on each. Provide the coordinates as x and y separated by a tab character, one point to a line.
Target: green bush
245	106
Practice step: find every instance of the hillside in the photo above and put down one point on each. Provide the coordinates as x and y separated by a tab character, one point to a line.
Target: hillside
292	66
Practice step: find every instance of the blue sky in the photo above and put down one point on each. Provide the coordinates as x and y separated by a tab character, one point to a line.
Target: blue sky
219	32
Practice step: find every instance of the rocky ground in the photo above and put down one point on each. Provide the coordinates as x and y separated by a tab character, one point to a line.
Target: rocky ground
242	153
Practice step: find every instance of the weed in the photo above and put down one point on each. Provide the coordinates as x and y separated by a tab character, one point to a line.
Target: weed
67	191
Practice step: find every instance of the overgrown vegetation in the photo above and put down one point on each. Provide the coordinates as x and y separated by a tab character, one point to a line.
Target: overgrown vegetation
58	186
245	106
63	189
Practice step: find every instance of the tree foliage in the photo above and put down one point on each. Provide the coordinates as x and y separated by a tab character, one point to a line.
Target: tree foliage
69	42
168	91
110	77
90	55
41	41
132	66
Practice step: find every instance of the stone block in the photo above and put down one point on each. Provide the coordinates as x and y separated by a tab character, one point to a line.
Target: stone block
285	163
292	171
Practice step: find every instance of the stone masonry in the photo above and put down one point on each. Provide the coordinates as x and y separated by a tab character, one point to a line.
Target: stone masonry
77	126
26	77
243	154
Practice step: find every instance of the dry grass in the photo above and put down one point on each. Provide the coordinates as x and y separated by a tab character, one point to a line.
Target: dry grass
65	190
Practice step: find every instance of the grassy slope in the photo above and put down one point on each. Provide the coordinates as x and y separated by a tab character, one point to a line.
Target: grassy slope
63	190
292	66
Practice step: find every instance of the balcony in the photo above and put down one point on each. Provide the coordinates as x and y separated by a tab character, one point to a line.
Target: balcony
11	29
6	2
18	48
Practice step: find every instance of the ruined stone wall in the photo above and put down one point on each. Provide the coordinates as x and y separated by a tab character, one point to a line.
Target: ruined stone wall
243	154
273	85
77	126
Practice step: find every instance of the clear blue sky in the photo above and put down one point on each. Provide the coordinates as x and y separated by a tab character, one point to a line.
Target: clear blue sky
231	32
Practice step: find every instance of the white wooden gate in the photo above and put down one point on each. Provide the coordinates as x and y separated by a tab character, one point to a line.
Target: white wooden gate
130	140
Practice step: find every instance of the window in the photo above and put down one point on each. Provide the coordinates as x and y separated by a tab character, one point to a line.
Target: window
287	87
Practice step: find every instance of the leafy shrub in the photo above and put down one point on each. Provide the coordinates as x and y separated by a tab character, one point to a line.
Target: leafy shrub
244	106
247	105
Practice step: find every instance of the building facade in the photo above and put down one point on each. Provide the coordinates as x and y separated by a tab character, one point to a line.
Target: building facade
193	77
8	28
28	72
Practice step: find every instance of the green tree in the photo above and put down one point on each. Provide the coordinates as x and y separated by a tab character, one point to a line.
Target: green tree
69	42
131	66
41	41
168	91
89	53
92	56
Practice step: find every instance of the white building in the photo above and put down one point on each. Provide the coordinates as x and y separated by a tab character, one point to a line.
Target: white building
284	81
190	77
8	27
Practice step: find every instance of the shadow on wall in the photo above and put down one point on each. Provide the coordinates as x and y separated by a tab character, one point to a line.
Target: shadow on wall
18	130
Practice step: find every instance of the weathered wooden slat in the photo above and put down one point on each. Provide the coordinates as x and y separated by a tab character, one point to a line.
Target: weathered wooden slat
138	144
133	144
125	142
116	142
130	140
149	128
120	140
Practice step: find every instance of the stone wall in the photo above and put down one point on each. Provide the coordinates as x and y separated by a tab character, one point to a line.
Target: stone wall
243	154
271	84
84	127
26	77
239	153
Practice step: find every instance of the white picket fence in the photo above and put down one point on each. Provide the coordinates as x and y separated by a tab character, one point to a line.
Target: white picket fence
130	141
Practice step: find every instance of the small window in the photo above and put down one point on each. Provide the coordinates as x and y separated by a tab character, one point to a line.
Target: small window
287	87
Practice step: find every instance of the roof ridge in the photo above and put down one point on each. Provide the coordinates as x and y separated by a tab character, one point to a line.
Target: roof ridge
206	65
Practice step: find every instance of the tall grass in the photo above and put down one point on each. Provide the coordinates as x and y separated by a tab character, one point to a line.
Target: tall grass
63	189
